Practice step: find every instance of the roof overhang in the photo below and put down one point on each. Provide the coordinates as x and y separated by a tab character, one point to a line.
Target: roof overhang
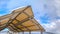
21	19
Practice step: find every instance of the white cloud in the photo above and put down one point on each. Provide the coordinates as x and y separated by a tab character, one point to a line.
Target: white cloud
57	5
53	27
53	11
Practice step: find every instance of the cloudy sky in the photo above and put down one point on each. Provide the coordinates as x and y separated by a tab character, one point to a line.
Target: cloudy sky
46	12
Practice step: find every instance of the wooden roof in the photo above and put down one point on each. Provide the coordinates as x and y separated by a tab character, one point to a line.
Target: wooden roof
4	21
22	19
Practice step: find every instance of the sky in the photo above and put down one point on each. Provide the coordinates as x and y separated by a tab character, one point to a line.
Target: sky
46	12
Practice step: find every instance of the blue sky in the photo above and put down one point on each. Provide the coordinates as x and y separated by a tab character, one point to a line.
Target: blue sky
37	6
46	12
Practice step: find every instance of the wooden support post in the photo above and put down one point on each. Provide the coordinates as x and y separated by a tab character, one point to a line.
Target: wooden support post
29	32
41	32
23	32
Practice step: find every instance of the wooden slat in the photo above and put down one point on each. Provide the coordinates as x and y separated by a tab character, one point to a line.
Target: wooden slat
28	23
4	21
15	22
29	12
22	16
